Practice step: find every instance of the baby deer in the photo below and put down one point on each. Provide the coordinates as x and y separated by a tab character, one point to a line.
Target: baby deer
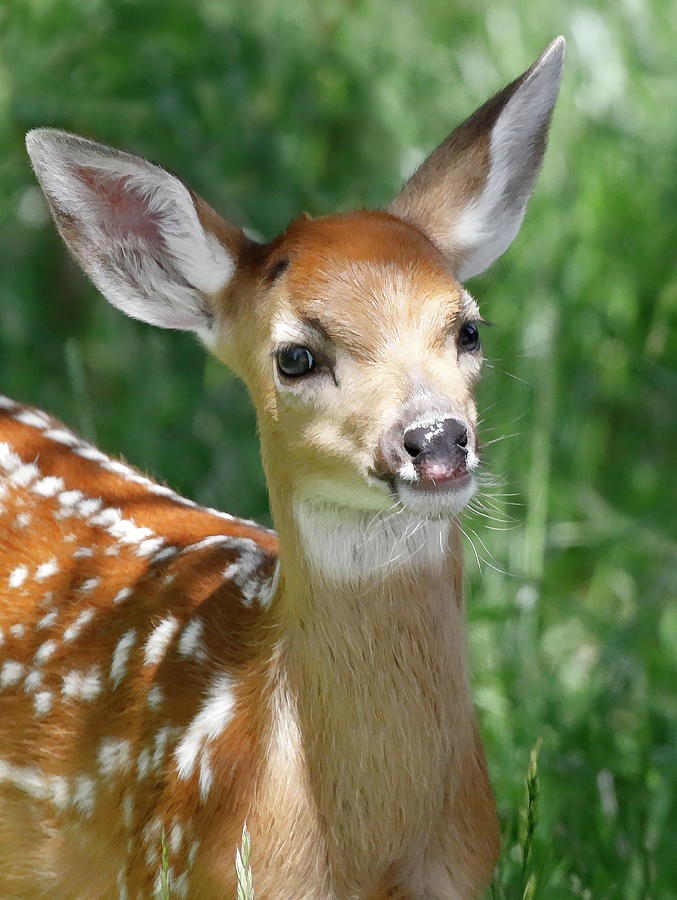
166	668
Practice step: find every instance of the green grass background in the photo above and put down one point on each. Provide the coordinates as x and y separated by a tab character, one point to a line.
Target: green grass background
268	108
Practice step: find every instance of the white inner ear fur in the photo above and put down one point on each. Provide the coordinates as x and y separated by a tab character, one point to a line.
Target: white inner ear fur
134	229
490	222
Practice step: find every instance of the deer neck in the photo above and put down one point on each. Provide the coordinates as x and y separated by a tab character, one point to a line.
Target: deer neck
374	670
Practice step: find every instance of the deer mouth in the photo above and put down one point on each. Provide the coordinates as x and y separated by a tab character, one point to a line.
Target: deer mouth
443	496
435	479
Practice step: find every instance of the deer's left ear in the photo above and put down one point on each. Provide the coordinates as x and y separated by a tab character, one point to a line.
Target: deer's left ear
153	248
470	195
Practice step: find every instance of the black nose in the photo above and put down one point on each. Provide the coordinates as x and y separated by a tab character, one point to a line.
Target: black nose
440	438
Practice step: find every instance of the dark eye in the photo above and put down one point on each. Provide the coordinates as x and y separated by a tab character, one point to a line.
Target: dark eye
469	337
295	361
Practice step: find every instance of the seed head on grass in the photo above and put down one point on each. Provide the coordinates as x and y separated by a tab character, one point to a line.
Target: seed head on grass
529	823
245	882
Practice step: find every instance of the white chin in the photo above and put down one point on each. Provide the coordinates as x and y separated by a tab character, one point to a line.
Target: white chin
439	502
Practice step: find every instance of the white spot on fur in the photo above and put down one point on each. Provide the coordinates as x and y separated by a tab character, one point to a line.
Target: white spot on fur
128	809
244	571
83	552
91	453
78	685
85	617
213	540
17	631
180	885
150	546
155	697
90	507
49	486
60	791
152	832
44	651
159	640
212	719
30	781
9	460
23	520
192	853
191	641
127	532
175	837
113	756
18	576
118	666
160	746
46	570
84	795
206	776
43	702
70	498
24	475
33	681
165	554
107	518
143	764
11	673
122	595
34	419
89	586
48	620
61	436
123	894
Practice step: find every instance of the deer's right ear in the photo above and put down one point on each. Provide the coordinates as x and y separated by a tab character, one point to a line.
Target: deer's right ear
470	195
136	230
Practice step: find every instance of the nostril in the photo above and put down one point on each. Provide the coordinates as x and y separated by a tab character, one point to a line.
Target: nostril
462	439
414	441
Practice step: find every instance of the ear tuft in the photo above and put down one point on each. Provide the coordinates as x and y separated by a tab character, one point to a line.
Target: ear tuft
470	195
134	228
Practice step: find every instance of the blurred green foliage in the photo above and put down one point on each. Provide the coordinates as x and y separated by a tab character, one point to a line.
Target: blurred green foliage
268	108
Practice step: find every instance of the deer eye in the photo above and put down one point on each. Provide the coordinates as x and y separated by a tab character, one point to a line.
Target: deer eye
295	361
469	337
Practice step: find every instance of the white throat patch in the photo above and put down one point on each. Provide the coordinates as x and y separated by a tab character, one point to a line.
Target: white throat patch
345	545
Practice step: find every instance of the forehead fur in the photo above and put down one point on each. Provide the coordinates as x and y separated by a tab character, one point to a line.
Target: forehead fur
361	236
357	269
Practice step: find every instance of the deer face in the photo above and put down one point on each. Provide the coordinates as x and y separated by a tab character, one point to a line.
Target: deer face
365	371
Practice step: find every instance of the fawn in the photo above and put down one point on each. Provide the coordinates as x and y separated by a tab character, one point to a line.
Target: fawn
166	668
